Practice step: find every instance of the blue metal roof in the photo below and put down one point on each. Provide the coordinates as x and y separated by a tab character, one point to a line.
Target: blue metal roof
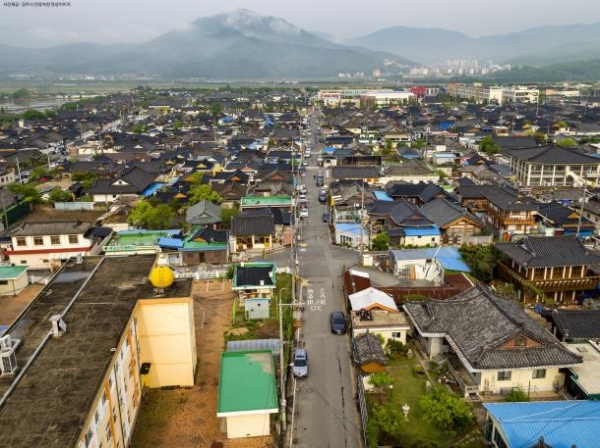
329	149
423	231
382	196
449	257
175	243
347	227
562	424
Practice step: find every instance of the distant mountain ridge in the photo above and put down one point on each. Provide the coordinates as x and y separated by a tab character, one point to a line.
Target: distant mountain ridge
235	46
434	45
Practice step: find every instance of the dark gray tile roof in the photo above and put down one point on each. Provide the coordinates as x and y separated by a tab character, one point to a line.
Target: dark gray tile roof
246	224
548	251
479	323
367	349
580	324
33	228
560	215
515	142
354	172
552	154
442	211
510	200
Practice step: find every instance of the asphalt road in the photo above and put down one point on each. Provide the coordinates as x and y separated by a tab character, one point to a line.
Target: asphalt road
325	414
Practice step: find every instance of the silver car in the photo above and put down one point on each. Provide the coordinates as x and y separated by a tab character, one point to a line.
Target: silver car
300	368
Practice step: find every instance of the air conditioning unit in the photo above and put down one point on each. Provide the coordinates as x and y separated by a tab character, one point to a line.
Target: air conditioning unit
8	360
6	342
59	327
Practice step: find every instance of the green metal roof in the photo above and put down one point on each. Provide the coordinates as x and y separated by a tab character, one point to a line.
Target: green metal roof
11	272
266	200
247	383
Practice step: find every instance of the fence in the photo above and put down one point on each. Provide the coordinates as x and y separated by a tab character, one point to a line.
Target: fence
201	272
362	406
72	206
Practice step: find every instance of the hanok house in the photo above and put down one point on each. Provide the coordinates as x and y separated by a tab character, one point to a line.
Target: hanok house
560	267
251	231
490	343
510	213
254	284
455	223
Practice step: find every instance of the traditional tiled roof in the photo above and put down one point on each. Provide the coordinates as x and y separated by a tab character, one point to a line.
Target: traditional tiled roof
204	212
478	324
35	228
553	154
354	172
509	200
368	349
577	324
246	224
442	212
548	251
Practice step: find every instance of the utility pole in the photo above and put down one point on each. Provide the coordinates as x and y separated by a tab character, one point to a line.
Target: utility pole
582	205
282	366
362	207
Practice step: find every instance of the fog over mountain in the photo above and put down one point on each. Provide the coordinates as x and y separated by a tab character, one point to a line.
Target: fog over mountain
536	46
239	45
244	45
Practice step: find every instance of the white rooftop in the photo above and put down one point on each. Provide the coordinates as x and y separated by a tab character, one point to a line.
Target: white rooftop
370	298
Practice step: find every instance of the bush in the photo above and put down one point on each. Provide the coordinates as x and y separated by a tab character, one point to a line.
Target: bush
418	371
395	349
516	395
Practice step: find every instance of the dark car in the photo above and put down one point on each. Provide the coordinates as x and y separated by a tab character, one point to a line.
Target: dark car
322	196
326	217
338	322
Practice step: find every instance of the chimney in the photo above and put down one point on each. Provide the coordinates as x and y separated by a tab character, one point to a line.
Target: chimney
565	335
262	283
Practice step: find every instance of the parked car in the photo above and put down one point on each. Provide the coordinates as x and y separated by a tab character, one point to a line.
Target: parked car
322	196
338	322
320	181
326	217
300	368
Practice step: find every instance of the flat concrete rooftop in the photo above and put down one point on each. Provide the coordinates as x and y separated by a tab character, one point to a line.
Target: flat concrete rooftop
50	403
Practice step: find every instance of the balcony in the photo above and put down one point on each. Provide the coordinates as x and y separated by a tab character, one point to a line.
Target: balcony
552	285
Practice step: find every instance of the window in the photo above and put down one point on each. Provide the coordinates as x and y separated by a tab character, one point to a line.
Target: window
114	414
89	436
396	334
504	376
103	399
108	432
54	240
3	282
73	239
38	241
539	373
520	341
21	241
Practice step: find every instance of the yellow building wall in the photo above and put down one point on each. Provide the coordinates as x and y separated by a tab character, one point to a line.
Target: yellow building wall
112	415
386	333
523	380
167	341
248	426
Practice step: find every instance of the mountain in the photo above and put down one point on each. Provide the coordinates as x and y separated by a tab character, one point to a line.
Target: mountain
547	44
237	46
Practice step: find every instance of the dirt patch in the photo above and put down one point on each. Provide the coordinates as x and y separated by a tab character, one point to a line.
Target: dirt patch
187	417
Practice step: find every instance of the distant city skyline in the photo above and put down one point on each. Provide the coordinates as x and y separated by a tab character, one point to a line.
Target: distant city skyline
132	21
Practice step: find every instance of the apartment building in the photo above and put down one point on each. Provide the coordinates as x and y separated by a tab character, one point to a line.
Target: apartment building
76	379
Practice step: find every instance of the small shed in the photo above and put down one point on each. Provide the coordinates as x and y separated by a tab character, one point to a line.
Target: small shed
257	308
13	279
247	393
369	354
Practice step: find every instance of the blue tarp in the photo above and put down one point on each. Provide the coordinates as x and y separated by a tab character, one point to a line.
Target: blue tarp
449	257
382	196
423	231
174	243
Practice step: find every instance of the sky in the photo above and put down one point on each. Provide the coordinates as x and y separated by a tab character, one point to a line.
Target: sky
129	21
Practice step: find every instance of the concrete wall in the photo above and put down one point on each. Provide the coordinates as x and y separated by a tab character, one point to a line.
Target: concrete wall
386	333
248	426
523	380
14	286
167	341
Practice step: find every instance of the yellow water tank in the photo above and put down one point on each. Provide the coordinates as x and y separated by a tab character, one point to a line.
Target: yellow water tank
161	277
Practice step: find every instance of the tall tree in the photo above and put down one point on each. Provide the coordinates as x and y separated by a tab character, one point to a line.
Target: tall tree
149	217
204	192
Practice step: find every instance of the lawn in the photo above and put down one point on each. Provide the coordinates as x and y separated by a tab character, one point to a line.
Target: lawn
408	388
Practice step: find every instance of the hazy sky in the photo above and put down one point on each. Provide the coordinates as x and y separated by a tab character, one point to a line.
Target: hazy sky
114	21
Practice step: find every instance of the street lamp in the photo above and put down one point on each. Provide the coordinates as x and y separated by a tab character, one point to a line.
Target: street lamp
281	366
